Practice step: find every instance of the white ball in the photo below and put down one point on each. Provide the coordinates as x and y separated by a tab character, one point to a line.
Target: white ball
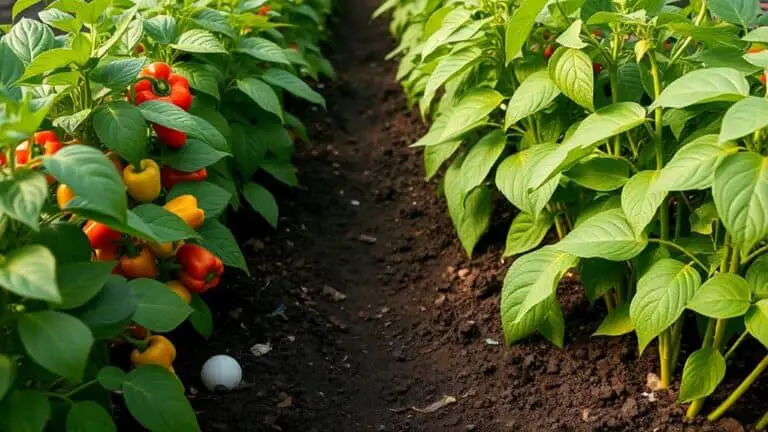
221	372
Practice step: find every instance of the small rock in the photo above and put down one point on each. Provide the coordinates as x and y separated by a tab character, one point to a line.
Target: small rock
553	367
585	414
471	427
440	300
261	349
367	239
528	361
730	425
468	328
334	294
653	382
463	273
629	409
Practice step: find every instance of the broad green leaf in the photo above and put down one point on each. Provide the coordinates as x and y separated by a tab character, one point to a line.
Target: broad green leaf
552	327
110	311
202	318
92	176
533	95
262	201
702	86
607	235
740	192
262	49
21	5
7	374
28	39
29	271
57	341
518	28
25	411
60	20
200	77
571	37
193	156
292	84
616	323
600	173
210	197
470	213
640	198
80	282
121	127
48	61
759	35
166	226
66	241
161	28
756	321
725	57
693	166
703	217
600	276
281	170
218	239
436	155
199	42
527	232
473	107
22	197
743	118
111	378
159	309
481	158
89	416
215	21
571	71
171	116
261	93
128	30
448	68
712	35
92	11
451	23
72	122
757	277
738	12
512	176
662	295
155	397
725	295
702	373
118	74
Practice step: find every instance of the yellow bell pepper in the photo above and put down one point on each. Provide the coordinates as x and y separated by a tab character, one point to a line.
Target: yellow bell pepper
185	207
165	250
180	290
144	183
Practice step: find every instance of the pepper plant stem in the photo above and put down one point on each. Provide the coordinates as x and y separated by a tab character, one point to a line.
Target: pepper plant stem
739	392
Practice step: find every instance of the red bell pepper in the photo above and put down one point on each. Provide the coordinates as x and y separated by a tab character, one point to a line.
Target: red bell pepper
161	84
101	236
200	269
170	177
170	137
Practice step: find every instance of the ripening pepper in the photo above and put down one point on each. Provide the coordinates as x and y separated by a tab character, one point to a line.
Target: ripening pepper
110	253
64	195
101	236
172	138
22	153
163	85
185	207
141	265
143	184
159	351
548	51
48	141
180	290
170	176
116	161
200	269
264	10
165	250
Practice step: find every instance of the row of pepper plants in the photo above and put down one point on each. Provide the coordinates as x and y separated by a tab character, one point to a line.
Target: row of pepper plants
127	130
635	132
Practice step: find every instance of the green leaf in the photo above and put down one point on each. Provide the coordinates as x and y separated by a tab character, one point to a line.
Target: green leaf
48	61
200	77
161	28
518	28
703	372
193	156
262	49
473	107
662	295
262	201
92	11
29	271
110	311
470	213
22	197
22	5
743	118
600	276
171	116
156	399
128	30
528	288
693	166
219	240
452	22
616	323
166	226
199	42
552	327
66	241
740	192
600	173
159	309
25	411
572	72
640	199
71	123
527	232
757	277
702	86
215	21
738	12
607	235
202	318
292	84
89	416
448	68
121	127
725	295
57	341
80	282
60	20
571	38
7	373
436	155
756	321
481	158
111	378
210	197
118	74
533	95
92	176
512	176
28	39
261	93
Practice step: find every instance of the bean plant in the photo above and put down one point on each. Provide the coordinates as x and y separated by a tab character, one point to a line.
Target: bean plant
635	130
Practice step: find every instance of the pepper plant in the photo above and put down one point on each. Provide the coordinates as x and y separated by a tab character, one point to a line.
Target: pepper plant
633	129
120	154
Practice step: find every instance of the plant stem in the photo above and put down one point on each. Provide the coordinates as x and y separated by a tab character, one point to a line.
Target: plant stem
763	422
559	227
664	360
609	301
658	141
755	254
736	344
739	392
681	249
687	41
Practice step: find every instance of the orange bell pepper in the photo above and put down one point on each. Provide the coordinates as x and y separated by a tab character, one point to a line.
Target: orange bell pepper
141	265
180	290
159	351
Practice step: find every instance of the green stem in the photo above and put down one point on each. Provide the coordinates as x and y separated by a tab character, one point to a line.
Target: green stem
736	344
763	422
664	360
720	327
609	301
689	39
755	254
560	228
677	338
739	392
681	249
80	388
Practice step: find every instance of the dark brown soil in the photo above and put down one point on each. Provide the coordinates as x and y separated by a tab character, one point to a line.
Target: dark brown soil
420	320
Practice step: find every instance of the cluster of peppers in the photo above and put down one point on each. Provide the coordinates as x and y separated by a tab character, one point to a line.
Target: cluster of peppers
184	267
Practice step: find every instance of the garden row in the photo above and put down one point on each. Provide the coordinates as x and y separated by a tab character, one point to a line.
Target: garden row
127	130
633	129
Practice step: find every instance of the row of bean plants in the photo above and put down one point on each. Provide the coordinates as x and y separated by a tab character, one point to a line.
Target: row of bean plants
128	128
635	130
